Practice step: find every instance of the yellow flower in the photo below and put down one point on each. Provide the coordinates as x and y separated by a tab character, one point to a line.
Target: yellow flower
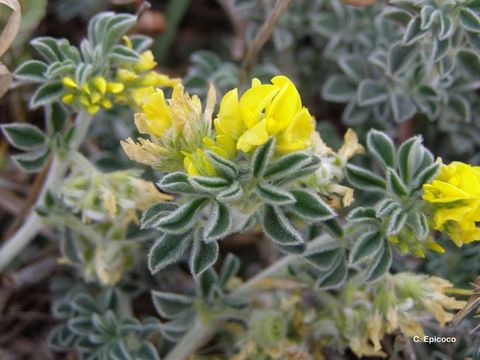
178	130
263	111
455	197
140	79
93	95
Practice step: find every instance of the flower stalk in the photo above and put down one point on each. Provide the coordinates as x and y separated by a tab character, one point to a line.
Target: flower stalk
60	164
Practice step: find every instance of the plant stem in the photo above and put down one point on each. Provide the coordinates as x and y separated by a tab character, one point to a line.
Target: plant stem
201	333
53	182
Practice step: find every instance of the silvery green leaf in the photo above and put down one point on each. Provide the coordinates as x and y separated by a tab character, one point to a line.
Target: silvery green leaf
310	206
32	70
324	256
401	56
209	184
84	304
469	19
230	267
363	215
167	250
397	221
403	107
381	147
157	212
68	248
371	92
46	94
57	116
123	54
414	32
407	154
118	351
225	167
380	264
395	184
81	325
386	207
261	157
440	49
116	28
47	48
147	352
170	305
278	228
446	28
181	219
287	165
428	15
24	136
355	115
470	61
339	88
32	162
365	179
232	193
176	183
334	278
274	195
140	43
219	222
204	254
366	246
206	282
425	176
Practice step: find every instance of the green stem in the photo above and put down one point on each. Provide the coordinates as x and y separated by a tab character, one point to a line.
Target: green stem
60	164
201	333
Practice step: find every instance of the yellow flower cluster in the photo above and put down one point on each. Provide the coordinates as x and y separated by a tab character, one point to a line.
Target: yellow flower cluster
263	111
455	199
180	132
176	129
139	79
93	95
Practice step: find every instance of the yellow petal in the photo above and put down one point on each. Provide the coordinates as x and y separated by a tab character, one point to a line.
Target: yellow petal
100	84
69	82
255	136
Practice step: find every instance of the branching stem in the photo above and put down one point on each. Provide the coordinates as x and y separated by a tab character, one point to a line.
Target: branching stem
53	182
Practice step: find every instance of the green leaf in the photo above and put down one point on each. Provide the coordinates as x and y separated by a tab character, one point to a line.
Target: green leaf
470	61
261	157
324	256
469	19
167	250
69	248
381	264
208	184
147	352
232	193
230	267
334	278
339	89
81	325
400	57
278	228
183	218
169	305
397	221
371	92
116	28
274	195
32	70
156	212
381	147
364	179
57	117
225	167
47	48
385	207
204	255
24	136
363	214
46	94
426	176
407	151
366	246
395	184
175	183
219	222
428	15
403	107
414	32
287	165
310	206
123	54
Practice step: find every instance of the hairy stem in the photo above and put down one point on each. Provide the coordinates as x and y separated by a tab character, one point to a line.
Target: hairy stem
201	333
58	169
262	37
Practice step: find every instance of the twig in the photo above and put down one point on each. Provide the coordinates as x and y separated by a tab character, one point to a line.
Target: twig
58	169
262	37
201	333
